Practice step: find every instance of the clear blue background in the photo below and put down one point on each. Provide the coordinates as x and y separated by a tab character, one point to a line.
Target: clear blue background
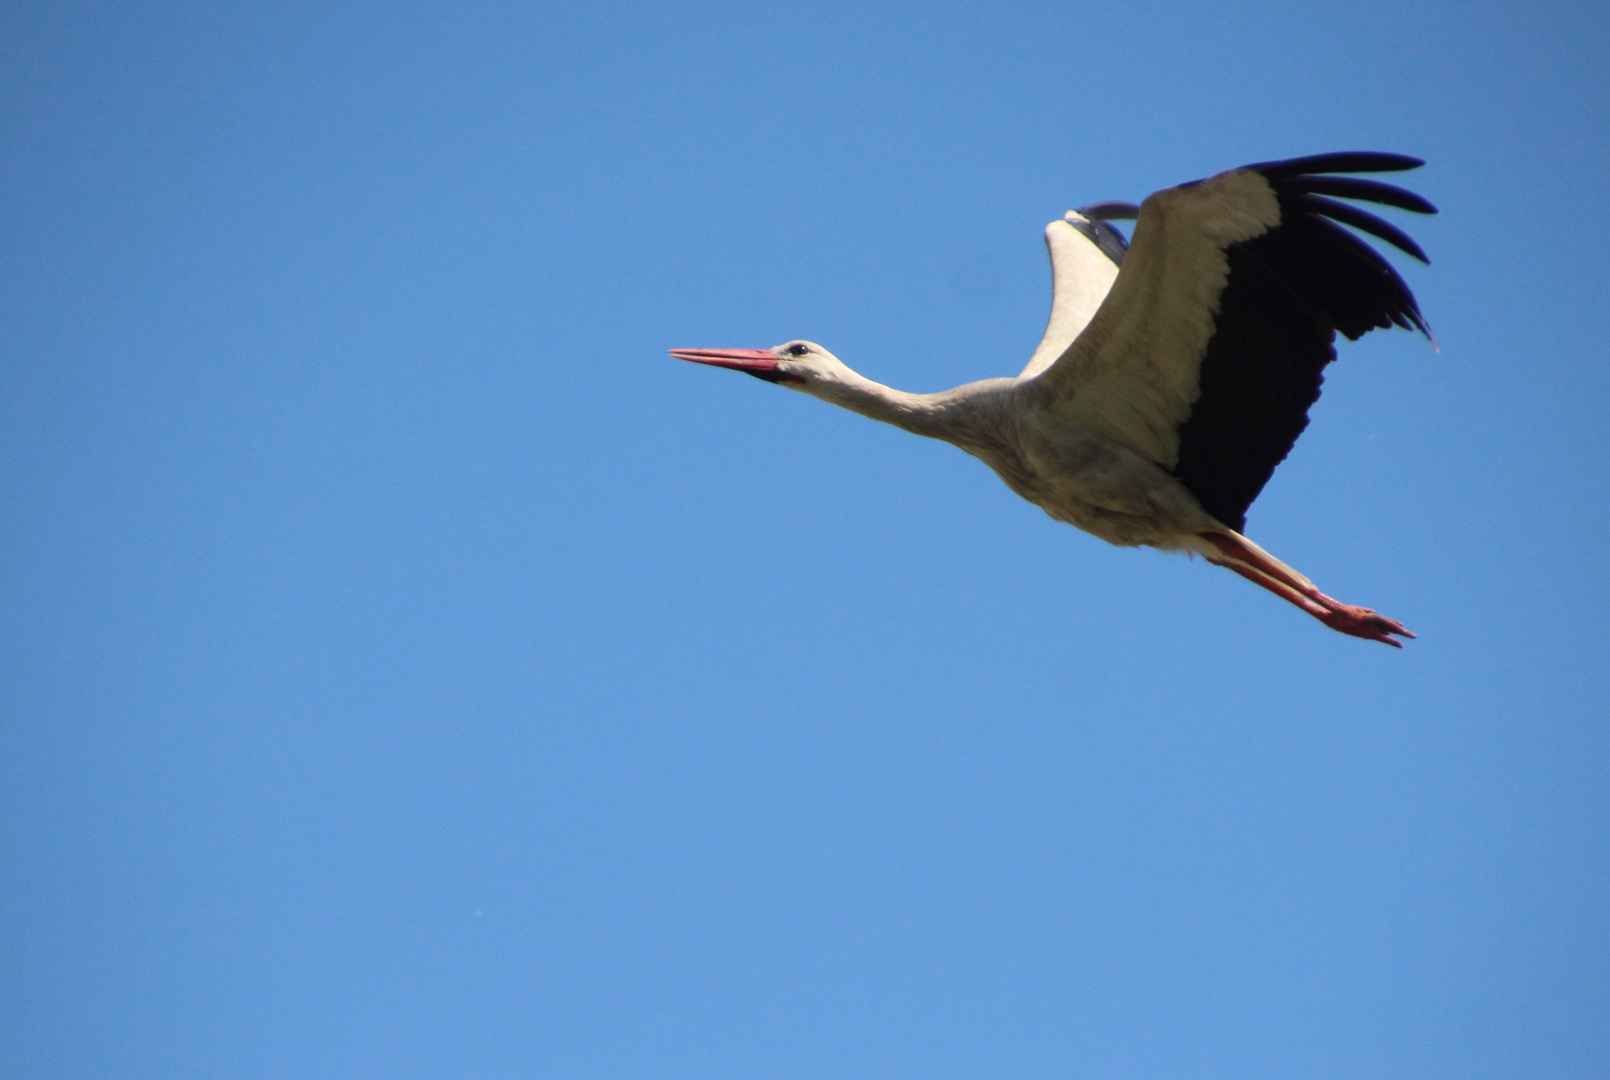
407	670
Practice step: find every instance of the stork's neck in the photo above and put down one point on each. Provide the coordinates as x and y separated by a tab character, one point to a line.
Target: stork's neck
961	416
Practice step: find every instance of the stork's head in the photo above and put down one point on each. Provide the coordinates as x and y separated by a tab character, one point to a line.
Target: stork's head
801	365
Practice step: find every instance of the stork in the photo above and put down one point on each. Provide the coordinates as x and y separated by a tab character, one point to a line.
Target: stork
1177	369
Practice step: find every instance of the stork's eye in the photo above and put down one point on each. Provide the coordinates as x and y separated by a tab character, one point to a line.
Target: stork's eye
798	350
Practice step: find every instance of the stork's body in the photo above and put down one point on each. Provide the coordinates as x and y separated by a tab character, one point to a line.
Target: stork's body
1171	380
1076	475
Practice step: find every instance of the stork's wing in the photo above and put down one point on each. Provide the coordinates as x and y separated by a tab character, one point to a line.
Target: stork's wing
1210	346
1085	256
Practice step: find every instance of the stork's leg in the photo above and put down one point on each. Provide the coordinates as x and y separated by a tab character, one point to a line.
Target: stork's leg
1258	566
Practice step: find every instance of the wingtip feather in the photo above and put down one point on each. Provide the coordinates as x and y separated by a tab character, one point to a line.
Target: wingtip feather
1350	161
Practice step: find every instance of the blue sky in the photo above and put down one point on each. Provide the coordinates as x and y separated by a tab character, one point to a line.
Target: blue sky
410	671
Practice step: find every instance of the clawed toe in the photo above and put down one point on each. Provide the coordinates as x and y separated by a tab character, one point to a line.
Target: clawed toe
1235	552
1365	623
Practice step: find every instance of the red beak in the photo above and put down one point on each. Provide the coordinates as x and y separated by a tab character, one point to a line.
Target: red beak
757	362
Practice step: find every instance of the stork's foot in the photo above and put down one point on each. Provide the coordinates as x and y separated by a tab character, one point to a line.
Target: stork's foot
1361	622
1236	552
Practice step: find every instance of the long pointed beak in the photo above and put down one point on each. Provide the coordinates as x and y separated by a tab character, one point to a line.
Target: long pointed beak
757	362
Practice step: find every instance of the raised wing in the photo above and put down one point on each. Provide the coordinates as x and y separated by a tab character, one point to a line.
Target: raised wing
1210	346
1085	256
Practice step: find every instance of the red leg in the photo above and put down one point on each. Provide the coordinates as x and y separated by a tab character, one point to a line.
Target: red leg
1258	566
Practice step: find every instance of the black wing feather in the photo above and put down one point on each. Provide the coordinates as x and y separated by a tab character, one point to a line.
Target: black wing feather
1289	292
1348	162
1349	187
1365	221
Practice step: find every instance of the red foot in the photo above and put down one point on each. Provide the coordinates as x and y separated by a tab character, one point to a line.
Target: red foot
1262	569
1362	622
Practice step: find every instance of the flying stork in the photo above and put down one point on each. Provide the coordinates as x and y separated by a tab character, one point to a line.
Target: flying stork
1176	370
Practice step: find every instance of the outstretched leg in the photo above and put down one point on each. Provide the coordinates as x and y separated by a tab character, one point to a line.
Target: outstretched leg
1235	552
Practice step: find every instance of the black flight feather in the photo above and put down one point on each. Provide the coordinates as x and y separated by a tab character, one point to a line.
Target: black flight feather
1364	221
1350	187
1107	239
1355	161
1290	290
